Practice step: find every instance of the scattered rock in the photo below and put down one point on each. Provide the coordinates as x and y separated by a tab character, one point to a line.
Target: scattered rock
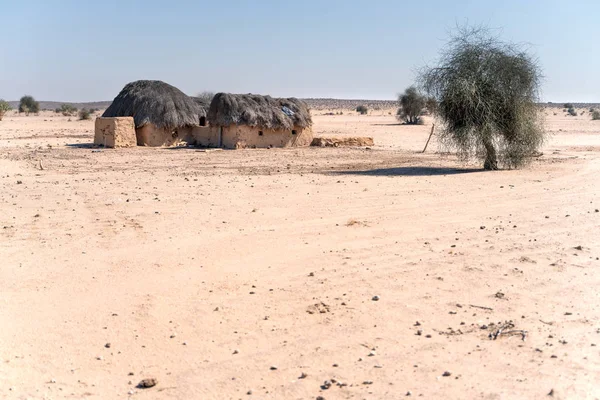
319	308
326	385
249	392
375	298
273	367
107	345
303	376
447	373
367	382
147	383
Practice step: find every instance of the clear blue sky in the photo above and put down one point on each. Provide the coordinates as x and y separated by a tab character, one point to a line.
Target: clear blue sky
69	50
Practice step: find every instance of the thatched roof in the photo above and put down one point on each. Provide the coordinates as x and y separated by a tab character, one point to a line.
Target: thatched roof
157	103
258	111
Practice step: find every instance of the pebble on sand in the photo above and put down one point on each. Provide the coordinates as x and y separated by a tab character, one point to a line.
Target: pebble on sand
147	383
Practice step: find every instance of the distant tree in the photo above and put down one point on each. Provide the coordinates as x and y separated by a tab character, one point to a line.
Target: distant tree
4	107
84	114
362	109
206	96
571	111
487	93
27	105
568	105
595	115
411	104
431	105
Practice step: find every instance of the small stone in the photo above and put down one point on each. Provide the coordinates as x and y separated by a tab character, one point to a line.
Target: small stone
375	298
130	374
52	380
372	354
417	323
131	392
236	351
147	383
447	373
249	392
367	382
273	367
484	326
107	345
409	393
184	343
173	336
302	376
320	398
419	332
326	385
100	358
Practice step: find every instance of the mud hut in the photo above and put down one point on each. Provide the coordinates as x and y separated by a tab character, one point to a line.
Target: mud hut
248	120
163	114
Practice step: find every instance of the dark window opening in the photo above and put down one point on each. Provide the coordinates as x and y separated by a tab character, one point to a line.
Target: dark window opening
293	132
260	133
175	134
202	121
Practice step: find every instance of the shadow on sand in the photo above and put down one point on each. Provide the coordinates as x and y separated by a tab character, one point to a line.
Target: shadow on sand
84	146
410	171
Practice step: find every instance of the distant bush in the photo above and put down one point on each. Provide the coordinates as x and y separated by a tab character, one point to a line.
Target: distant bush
572	112
67	110
84	114
595	115
206	96
27	105
411	104
362	109
4	107
568	105
592	110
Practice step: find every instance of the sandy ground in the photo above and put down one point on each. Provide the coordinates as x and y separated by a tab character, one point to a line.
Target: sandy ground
252	274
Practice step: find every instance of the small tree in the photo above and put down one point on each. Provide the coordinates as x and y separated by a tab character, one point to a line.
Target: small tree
595	115
568	105
206	96
572	112
362	109
27	105
411	104
487	93
84	114
4	107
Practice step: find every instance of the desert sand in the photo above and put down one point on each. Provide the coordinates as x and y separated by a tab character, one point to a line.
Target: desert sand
345	273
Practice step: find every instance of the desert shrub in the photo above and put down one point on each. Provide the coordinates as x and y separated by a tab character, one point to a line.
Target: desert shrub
27	105
568	105
362	109
592	110
431	105
84	114
67	110
487	93
4	107
571	111
411	104
595	115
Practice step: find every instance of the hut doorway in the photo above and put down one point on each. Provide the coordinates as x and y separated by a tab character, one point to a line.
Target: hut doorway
202	121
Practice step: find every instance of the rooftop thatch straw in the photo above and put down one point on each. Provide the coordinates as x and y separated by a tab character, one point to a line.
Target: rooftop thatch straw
157	103
258	111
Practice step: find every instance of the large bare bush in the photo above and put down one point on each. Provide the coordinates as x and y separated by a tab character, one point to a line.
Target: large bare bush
487	92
